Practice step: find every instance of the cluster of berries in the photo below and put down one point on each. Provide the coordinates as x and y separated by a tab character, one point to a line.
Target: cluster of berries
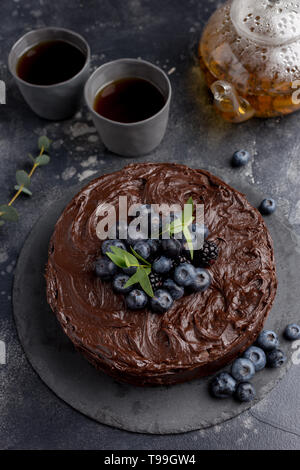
174	271
265	352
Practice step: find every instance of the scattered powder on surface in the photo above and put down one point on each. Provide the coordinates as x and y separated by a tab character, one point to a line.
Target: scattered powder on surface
3	256
81	128
172	70
89	162
86	174
68	173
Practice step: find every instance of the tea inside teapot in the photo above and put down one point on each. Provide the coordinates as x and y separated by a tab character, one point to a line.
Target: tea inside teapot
250	54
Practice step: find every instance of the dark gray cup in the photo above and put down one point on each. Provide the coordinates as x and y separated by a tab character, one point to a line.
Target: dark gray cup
58	101
132	139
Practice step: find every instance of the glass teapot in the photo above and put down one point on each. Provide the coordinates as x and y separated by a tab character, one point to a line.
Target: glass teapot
250	55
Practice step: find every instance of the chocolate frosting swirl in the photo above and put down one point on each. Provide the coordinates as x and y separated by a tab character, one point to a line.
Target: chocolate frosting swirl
202	331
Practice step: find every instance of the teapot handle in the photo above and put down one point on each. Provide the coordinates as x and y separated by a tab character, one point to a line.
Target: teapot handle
233	107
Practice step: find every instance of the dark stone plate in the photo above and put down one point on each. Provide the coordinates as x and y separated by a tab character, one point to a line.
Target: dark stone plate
162	410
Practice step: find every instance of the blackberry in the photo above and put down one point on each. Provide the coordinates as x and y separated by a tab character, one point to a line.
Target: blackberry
181	259
208	254
156	281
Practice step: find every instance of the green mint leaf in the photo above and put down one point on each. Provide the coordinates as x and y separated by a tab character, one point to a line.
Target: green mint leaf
42	160
188	213
116	260
2	222
126	255
128	264
9	213
187	235
22	178
145	281
44	142
190	201
133	280
140	257
141	277
176	226
24	190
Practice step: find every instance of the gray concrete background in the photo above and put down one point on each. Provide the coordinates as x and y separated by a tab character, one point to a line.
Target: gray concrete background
165	32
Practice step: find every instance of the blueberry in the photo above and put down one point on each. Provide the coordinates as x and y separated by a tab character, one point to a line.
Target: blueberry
267	340
175	290
185	246
162	265
223	385
142	248
201	281
200	230
105	269
154	247
136	299
119	282
275	358
257	356
292	332
135	235
130	271
240	158
245	392
106	245
171	248
185	274
267	206
242	369
162	301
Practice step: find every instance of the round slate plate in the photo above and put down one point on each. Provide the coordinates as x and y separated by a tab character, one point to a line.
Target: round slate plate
158	410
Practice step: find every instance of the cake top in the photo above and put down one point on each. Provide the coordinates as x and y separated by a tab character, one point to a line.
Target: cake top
198	328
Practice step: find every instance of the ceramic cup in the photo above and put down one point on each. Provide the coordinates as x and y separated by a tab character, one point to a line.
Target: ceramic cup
58	101
137	138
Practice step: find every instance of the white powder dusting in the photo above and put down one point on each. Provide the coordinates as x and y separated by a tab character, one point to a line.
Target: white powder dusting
81	128
68	173
86	174
89	162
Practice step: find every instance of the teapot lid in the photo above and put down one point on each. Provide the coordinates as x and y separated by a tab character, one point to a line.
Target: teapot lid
267	22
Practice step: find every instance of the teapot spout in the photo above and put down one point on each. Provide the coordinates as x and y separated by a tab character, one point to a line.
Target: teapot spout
231	106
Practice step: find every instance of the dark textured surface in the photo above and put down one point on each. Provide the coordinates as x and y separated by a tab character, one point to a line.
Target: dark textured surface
164	32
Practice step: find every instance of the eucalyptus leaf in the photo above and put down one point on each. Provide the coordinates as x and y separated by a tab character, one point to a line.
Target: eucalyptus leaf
9	213
31	158
2	222
23	189
42	160
23	179
44	143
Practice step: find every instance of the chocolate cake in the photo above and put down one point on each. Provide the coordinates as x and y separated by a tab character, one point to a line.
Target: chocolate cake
202	332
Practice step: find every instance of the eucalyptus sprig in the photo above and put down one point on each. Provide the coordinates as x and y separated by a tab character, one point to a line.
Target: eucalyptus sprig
124	259
181	224
7	211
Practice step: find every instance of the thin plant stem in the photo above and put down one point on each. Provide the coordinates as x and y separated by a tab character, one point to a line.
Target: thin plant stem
22	186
